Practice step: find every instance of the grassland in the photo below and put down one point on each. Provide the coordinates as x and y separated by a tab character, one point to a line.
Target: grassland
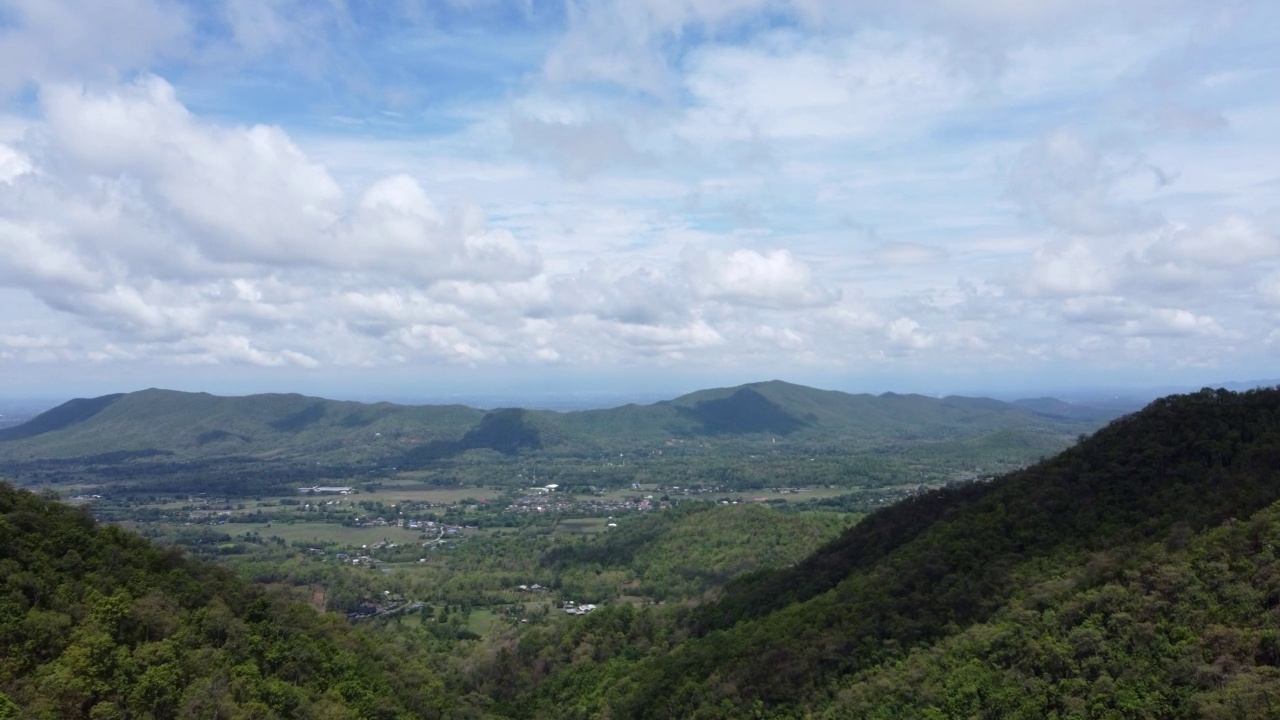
582	526
319	533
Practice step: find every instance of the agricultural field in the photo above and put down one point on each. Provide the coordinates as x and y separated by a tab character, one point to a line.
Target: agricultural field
320	534
582	526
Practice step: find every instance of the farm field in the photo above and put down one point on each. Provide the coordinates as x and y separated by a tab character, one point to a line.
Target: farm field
416	493
582	526
321	533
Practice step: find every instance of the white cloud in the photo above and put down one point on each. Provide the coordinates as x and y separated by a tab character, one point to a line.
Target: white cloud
1176	322
1234	240
12	164
1069	182
248	196
673	341
775	279
786	87
906	333
50	40
641	296
1064	270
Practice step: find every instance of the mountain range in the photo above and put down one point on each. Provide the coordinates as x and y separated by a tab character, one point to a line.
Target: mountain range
198	425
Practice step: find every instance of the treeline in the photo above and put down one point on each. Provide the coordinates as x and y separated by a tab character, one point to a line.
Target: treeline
155	472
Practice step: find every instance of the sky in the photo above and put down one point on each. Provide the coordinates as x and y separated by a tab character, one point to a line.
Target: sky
411	198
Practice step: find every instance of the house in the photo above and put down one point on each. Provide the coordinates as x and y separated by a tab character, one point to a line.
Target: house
363	610
571	609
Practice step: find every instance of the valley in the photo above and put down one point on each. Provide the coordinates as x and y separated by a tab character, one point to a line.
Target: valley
745	565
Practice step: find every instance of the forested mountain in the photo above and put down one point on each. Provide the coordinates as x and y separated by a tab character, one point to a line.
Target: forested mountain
169	424
96	622
1133	575
204	425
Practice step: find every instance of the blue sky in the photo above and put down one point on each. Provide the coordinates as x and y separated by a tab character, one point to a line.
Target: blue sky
411	198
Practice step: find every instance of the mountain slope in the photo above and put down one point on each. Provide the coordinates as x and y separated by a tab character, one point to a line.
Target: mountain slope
202	425
777	410
925	569
96	622
1182	627
63	416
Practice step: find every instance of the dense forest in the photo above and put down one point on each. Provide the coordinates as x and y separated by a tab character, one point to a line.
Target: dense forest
96	622
1132	575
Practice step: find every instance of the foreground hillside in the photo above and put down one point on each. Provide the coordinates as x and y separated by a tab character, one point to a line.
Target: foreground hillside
96	622
1130	576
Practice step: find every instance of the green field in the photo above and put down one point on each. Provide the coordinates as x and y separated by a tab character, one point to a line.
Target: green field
482	621
325	533
416	493
582	526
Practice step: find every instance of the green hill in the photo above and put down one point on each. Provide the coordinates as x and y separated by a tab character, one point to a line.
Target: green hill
1055	591
785	409
203	425
63	416
96	622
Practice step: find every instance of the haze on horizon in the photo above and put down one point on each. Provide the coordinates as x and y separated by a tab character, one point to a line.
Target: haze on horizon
412	199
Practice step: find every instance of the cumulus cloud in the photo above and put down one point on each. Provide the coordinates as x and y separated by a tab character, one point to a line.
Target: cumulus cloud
775	279
12	164
1063	270
671	340
1172	322
906	333
230	244
124	203
642	296
50	40
1234	240
250	195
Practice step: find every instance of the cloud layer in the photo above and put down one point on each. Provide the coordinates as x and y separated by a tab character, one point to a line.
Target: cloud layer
962	190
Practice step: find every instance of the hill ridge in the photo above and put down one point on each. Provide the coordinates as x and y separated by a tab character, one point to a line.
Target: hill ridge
178	421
